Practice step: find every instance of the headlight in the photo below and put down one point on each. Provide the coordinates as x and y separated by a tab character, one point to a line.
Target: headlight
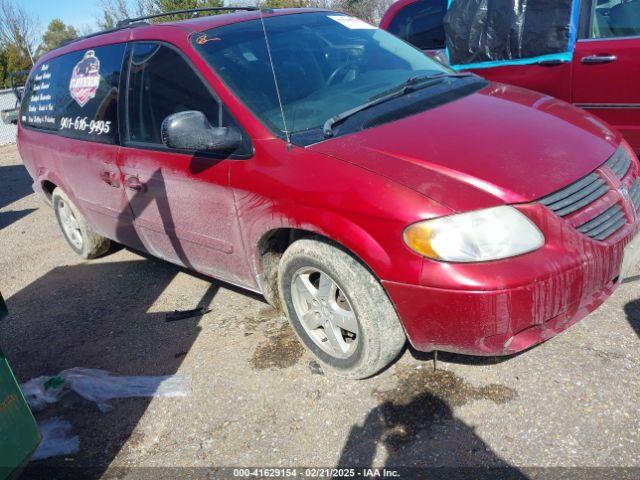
479	236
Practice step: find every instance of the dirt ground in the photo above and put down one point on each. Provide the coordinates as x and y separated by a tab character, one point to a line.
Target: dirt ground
257	399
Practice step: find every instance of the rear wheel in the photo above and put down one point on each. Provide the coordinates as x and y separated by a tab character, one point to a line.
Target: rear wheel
338	309
77	232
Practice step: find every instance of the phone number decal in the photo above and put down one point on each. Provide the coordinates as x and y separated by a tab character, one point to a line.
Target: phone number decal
83	124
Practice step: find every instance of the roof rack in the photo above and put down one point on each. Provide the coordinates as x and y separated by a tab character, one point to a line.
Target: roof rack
139	22
102	32
129	21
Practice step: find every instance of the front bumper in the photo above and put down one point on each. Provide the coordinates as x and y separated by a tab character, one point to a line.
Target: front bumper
504	307
491	323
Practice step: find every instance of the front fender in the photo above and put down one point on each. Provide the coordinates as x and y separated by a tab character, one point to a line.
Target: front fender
302	189
346	233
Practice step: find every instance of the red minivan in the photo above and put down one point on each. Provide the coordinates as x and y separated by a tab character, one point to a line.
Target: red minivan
366	190
602	78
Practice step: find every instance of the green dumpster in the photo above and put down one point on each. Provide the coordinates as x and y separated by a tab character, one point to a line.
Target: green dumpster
19	436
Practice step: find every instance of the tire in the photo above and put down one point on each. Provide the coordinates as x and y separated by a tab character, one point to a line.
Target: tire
318	320
77	232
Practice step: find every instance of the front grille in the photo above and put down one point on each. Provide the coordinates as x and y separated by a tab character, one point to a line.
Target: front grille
634	193
591	205
577	195
619	163
605	224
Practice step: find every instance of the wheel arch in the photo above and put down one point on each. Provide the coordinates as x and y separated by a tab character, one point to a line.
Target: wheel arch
271	243
48	187
46	182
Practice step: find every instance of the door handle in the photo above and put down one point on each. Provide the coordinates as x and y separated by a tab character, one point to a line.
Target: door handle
110	178
134	183
593	59
551	63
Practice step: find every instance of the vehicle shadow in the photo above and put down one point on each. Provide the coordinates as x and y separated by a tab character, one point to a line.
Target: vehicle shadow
632	309
423	438
7	218
16	184
96	315
448	357
140	201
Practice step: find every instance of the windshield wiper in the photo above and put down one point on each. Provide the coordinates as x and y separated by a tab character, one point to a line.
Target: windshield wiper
412	84
418	82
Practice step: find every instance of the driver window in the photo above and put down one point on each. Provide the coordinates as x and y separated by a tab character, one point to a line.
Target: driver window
615	18
162	83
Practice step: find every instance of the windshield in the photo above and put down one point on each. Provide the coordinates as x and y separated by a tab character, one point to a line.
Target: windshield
325	63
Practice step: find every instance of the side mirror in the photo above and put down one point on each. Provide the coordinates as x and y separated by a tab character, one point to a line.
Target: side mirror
191	130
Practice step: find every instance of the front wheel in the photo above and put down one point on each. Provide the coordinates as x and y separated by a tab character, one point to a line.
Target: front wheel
338	309
77	232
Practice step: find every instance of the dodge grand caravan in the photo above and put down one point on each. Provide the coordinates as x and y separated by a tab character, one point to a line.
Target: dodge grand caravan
366	190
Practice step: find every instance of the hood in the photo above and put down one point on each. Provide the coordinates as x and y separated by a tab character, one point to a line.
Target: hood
501	145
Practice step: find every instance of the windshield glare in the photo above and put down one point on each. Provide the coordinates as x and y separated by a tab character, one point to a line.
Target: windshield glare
325	63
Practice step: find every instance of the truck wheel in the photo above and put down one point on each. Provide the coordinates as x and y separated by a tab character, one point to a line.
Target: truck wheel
78	233
338	309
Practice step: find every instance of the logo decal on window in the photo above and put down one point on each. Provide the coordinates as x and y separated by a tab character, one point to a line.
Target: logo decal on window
85	78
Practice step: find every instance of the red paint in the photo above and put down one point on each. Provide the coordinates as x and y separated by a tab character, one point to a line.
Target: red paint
610	83
578	83
507	306
483	146
501	145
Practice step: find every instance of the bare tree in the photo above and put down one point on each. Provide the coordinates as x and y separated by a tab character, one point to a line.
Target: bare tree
326	4
115	10
18	29
369	10
86	29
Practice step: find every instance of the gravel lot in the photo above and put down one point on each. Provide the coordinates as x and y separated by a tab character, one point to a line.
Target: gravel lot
257	399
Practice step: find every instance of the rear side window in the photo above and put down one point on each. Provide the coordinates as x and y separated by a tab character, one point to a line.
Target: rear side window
615	18
162	83
421	24
76	95
38	104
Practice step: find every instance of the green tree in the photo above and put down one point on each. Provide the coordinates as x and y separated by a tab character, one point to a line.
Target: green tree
19	33
4	72
56	34
16	60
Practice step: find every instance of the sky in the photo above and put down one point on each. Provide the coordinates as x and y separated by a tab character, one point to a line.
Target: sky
76	12
79	13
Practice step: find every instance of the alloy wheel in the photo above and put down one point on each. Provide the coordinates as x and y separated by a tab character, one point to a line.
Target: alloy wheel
70	224
325	312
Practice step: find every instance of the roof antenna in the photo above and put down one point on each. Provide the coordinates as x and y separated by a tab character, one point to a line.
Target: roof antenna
275	81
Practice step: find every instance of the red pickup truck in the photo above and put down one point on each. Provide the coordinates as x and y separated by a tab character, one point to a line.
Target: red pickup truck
602	78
